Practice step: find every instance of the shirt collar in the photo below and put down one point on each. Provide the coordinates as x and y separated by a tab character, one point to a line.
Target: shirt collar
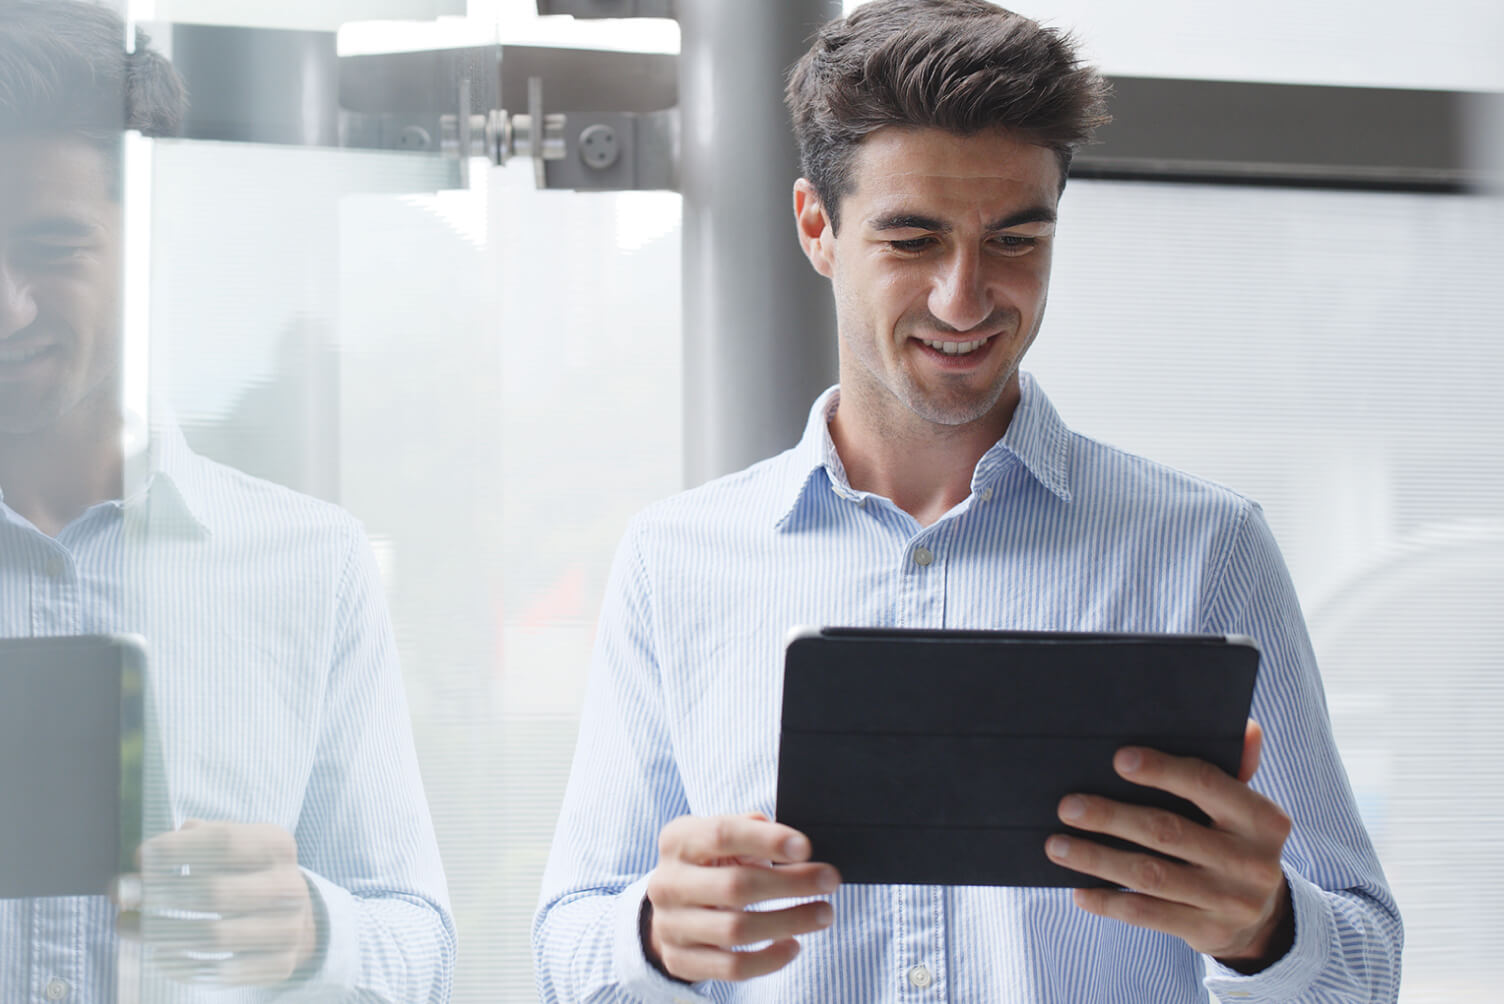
165	480
163	477
1037	438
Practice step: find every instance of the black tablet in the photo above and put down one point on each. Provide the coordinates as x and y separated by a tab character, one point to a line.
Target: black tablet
71	749
940	757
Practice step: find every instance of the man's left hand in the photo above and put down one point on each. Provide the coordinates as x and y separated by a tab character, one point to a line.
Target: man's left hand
225	903
1226	895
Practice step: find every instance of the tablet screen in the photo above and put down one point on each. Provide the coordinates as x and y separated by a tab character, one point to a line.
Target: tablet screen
939	757
71	750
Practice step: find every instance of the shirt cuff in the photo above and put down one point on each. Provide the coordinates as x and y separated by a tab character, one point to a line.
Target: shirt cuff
639	977
1290	977
338	965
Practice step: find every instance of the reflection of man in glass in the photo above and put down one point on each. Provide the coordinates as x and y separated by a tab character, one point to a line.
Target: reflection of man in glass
295	857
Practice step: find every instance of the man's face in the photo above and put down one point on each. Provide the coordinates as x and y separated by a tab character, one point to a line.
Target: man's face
59	280
940	271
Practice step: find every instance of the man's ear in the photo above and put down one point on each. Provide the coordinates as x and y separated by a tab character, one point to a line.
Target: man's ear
816	235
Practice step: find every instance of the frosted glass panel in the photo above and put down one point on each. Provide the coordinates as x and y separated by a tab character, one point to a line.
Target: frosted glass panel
1448	45
1336	356
489	379
324	15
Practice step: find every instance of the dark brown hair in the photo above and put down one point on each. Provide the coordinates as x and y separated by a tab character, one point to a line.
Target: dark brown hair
64	69
960	65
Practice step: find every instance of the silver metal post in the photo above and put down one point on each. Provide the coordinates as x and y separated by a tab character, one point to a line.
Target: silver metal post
759	328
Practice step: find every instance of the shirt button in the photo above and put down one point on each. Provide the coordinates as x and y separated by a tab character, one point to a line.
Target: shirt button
986	495
921	977
922	556
55	571
57	989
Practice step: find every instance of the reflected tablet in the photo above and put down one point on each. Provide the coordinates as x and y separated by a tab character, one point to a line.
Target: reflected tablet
71	742
940	757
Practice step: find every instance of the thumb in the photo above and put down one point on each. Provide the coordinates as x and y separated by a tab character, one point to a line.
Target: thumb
1253	745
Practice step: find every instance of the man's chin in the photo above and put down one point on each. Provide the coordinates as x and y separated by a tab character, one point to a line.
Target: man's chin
19	420
954	410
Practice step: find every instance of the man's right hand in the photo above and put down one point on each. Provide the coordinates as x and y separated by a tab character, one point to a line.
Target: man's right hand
710	869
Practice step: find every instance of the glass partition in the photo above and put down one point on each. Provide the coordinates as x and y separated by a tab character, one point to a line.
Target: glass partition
487	377
1334	355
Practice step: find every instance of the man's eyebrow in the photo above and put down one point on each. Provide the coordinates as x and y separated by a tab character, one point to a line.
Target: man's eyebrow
908	221
58	228
914	221
1037	214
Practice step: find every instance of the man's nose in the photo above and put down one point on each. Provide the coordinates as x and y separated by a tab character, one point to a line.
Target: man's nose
961	296
18	305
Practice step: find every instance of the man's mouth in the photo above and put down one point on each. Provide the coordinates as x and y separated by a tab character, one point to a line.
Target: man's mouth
956	348
13	355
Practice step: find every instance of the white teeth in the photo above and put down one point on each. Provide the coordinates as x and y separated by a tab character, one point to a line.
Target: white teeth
956	348
12	356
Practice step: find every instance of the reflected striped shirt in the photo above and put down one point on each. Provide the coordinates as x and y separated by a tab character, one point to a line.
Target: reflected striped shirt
1059	533
273	674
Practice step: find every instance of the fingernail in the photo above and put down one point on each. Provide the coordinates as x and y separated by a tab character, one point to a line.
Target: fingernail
827	880
796	848
1058	847
1130	761
1072	808
824	914
128	892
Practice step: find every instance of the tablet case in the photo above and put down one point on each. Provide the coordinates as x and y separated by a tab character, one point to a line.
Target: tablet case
71	742
940	757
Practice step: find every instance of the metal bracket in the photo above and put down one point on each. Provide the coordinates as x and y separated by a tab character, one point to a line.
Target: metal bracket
608	8
618	151
610	123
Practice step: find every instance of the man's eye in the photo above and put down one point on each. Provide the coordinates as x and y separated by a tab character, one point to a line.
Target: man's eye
1014	244
912	244
53	254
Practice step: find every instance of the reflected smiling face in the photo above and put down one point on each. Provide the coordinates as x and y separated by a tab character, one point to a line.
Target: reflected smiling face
940	272
59	280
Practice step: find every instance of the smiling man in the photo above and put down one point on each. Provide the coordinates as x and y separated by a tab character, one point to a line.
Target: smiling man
936	487
290	855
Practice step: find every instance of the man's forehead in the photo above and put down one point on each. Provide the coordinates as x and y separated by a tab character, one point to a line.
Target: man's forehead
987	174
54	177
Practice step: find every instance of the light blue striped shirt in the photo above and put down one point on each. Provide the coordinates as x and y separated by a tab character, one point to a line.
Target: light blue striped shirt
273	671
1059	533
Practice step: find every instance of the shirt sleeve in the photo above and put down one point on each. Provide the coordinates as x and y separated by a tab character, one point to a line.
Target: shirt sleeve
1348	933
365	838
623	787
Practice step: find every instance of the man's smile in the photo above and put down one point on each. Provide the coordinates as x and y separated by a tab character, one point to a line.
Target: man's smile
954	348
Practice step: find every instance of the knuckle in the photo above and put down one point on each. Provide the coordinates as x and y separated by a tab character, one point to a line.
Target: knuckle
1207	776
735	886
219	937
219	897
1167	829
674	960
1149	874
1132	909
719	832
658	886
1280	825
666	842
671	837
735	928
734	966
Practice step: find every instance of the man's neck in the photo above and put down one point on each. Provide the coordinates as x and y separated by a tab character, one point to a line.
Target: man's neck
924	468
52	474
